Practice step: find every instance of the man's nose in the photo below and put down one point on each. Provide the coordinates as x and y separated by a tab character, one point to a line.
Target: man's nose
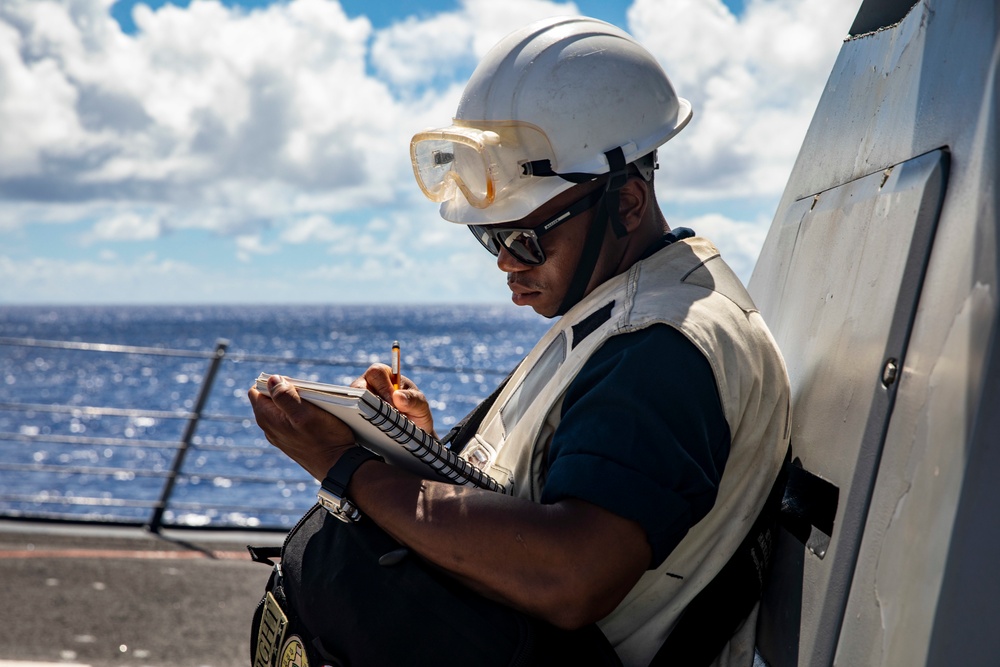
508	263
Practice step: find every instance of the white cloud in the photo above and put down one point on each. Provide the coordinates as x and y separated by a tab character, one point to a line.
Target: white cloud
493	20
313	229
36	108
151	279
421	50
202	106
754	83
401	238
415	50
126	226
263	113
15	215
739	241
249	245
272	111
460	276
284	127
44	280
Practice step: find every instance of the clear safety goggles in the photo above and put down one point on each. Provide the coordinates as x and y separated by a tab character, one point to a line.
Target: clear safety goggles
524	243
483	162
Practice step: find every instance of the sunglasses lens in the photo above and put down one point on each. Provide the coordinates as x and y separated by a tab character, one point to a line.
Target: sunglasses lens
523	245
485	237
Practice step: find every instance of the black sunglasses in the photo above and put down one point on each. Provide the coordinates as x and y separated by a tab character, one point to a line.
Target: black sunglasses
523	242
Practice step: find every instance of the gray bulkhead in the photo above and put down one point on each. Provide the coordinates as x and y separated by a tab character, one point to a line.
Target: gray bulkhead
878	279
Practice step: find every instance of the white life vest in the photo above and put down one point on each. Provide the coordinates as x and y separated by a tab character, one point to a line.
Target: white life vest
688	286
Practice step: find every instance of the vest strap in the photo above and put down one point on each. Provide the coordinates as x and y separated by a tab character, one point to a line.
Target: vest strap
265	555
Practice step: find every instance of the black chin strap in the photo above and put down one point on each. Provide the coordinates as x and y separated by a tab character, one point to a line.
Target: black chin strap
616	180
607	210
588	258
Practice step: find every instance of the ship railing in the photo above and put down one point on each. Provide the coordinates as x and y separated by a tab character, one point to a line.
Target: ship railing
42	502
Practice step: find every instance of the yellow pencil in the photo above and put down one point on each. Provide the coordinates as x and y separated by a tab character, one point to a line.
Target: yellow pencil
396	372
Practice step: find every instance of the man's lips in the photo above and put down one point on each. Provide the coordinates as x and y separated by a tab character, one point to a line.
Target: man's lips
518	287
521	292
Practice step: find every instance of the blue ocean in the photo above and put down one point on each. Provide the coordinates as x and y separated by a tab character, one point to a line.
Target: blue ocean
97	400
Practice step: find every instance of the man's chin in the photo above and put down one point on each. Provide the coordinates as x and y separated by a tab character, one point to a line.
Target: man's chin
536	301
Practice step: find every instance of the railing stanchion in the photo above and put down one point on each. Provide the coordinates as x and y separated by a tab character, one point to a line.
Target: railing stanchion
156	521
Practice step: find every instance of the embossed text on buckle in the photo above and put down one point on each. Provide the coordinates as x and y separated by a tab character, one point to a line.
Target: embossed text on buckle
271	633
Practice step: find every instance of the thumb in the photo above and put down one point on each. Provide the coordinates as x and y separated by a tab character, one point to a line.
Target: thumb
413	404
284	394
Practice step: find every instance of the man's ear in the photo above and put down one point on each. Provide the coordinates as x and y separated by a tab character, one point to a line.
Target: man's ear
633	200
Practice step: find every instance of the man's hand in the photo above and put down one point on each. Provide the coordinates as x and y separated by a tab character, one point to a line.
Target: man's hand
407	399
311	437
314	438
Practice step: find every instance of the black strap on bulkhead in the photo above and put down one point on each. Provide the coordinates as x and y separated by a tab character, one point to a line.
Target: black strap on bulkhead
802	503
809	508
716	612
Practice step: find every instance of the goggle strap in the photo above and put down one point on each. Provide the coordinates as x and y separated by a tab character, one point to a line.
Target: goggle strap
544	168
616	164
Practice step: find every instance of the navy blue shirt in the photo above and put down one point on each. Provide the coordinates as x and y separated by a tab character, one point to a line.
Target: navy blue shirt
643	435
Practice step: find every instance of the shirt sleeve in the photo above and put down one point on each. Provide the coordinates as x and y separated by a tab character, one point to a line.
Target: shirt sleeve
643	435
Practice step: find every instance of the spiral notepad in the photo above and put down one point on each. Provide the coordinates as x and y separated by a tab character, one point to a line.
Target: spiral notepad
380	427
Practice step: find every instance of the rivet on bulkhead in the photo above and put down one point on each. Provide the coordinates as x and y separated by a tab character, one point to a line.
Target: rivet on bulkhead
889	372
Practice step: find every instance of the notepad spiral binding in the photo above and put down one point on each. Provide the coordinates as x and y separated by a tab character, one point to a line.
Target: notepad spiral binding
423	446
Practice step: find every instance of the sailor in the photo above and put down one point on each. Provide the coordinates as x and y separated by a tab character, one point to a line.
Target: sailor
640	438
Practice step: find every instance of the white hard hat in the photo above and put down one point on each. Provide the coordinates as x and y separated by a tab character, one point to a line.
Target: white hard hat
564	90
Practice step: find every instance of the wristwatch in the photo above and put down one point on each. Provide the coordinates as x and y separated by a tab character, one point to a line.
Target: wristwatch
332	494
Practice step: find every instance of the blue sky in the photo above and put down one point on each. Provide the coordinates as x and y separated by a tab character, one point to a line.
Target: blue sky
248	151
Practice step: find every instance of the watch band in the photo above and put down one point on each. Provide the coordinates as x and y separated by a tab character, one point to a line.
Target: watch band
332	495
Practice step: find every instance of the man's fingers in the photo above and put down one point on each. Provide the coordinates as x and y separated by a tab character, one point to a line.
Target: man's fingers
378	381
307	434
408	399
286	397
413	404
266	413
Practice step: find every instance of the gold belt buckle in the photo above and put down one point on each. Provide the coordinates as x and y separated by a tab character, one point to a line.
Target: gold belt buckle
293	653
271	633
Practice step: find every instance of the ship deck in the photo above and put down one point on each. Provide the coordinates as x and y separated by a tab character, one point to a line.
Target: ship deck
77	595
